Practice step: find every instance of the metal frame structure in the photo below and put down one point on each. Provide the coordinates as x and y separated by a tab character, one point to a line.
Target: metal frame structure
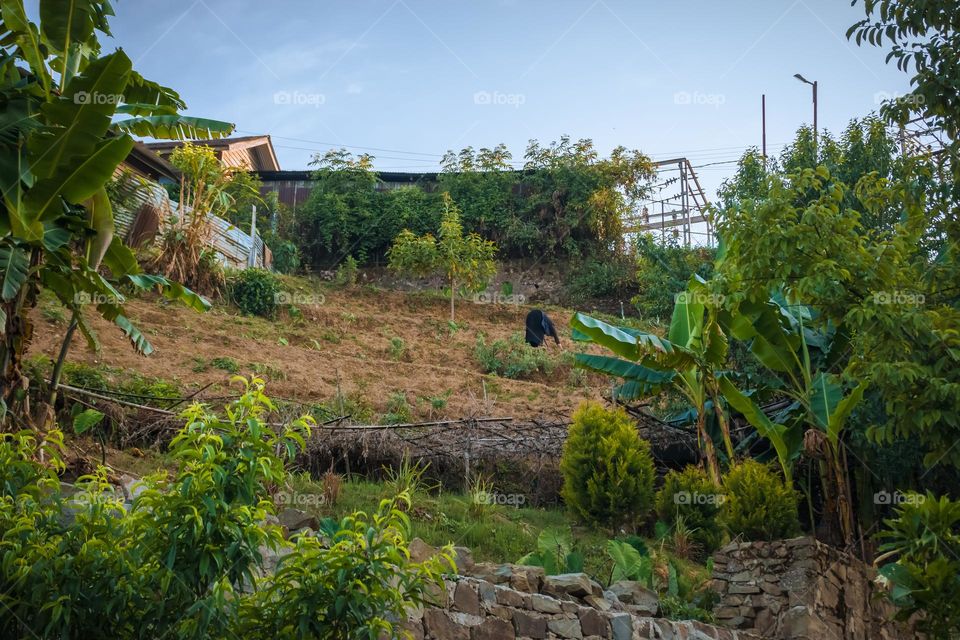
677	205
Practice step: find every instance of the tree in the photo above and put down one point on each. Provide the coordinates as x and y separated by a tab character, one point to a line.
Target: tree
61	143
686	360
466	261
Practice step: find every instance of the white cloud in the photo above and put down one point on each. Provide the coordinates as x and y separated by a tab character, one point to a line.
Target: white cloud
354	88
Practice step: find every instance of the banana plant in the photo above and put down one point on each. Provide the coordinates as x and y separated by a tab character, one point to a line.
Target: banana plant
784	340
687	360
66	115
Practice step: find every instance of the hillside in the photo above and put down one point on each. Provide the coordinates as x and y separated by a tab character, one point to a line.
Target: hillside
378	342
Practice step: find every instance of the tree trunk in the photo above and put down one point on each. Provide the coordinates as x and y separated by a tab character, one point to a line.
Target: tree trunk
453	293
17	334
707	448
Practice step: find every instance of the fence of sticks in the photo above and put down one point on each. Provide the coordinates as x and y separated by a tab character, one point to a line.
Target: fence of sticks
510	456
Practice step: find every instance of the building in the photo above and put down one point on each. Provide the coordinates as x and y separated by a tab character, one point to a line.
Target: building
253	153
293	187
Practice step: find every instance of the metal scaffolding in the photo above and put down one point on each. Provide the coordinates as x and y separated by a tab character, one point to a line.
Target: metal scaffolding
677	206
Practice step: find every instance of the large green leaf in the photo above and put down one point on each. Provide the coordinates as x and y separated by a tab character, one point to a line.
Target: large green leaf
174	127
14	266
606	335
101	221
775	433
144	97
171	290
628	564
842	411
67	23
641	381
825	393
87	420
120	259
18	30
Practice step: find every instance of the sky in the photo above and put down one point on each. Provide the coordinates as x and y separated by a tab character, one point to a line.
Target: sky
407	80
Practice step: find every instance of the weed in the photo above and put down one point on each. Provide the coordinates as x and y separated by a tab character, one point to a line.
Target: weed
329	335
332	485
513	358
408	477
398	348
200	364
398	409
268	371
347	272
53	315
283	342
225	363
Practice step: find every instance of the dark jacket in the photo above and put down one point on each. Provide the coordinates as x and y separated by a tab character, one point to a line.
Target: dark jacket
538	327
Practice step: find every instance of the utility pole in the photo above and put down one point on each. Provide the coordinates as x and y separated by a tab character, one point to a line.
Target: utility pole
763	119
814	85
252	256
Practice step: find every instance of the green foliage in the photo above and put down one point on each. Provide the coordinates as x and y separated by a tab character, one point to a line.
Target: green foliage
691	495
663	271
225	363
399	410
184	559
555	553
924	536
356	587
629	563
609	278
255	292
465	260
758	504
397	348
286	257
347	272
607	469
513	358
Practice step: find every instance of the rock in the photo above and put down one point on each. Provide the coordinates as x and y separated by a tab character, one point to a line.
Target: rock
529	626
600	604
526	579
463	558
800	622
439	625
593	624
577	585
621	626
132	487
546	604
492	629
420	551
633	593
509	597
294	520
489	572
465	599
565	628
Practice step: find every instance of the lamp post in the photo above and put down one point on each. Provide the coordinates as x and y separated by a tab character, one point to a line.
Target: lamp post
814	85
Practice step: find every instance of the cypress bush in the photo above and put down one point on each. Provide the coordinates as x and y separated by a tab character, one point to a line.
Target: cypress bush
607	469
691	495
759	504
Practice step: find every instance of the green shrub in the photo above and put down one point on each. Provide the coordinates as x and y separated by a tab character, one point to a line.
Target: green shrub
181	561
255	292
607	469
513	358
286	257
225	363
611	278
759	505
347	272
692	496
663	271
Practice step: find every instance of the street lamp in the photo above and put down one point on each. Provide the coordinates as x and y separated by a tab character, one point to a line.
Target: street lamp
814	85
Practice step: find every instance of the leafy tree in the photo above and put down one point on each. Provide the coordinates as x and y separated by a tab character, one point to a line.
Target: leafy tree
663	271
465	260
64	135
607	468
693	496
924	537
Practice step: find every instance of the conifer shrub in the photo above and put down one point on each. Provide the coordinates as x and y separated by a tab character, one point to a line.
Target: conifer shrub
759	505
690	495
607	469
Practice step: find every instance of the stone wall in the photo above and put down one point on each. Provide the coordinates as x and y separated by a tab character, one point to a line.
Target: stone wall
477	609
801	589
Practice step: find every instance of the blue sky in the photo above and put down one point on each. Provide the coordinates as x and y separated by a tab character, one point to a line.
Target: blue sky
418	77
